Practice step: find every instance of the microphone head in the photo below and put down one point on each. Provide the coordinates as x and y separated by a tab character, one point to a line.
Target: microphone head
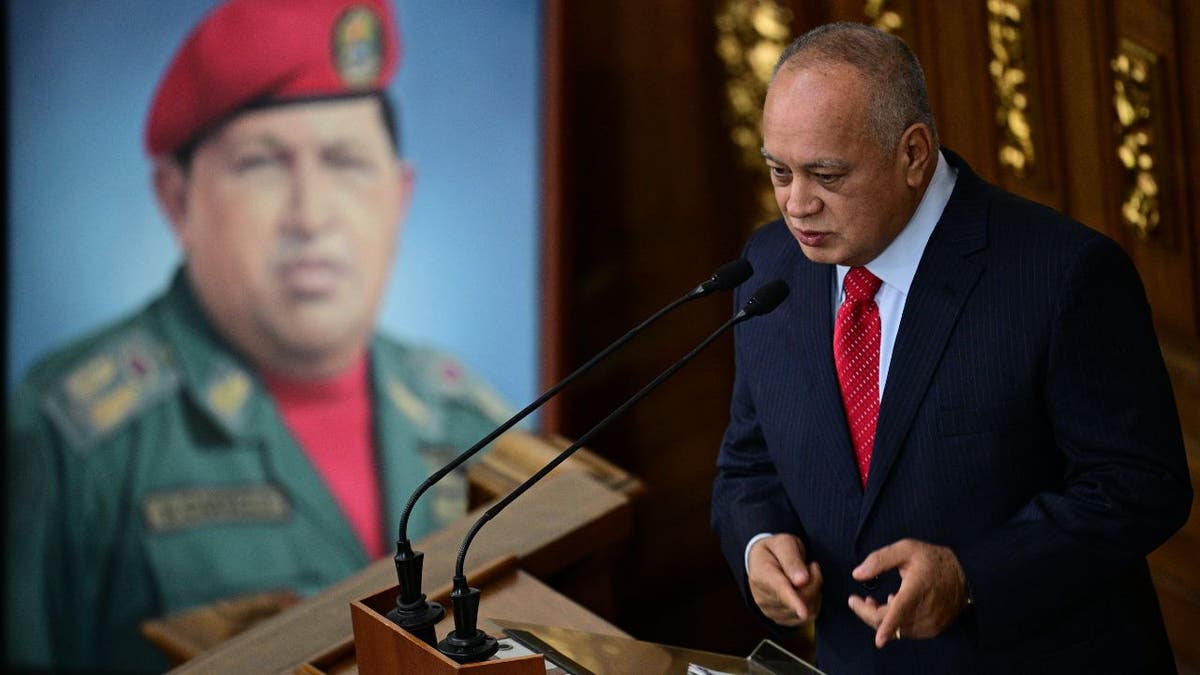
766	298
729	276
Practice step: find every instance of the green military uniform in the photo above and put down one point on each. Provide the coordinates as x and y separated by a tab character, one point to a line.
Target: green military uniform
150	471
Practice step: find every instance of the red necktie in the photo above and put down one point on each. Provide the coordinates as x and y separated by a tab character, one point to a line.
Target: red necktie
856	353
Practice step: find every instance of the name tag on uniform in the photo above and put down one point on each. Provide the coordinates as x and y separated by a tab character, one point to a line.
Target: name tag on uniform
187	508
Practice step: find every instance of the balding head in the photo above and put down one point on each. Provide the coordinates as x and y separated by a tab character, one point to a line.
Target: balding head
896	98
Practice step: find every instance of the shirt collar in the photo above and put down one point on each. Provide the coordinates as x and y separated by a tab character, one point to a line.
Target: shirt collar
897	265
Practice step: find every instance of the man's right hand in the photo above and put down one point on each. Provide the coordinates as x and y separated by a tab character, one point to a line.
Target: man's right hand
784	586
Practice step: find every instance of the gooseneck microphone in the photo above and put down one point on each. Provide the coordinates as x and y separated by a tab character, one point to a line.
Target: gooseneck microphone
466	643
412	611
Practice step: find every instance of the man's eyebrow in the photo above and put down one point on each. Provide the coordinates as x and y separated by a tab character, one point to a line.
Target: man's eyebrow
265	138
835	164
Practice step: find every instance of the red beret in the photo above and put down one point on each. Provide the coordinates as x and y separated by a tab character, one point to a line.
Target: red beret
266	50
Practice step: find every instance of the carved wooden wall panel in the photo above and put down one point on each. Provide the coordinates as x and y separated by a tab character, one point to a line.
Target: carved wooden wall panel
1166	255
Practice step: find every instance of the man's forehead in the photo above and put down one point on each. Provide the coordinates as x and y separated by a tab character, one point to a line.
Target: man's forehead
817	106
324	120
820	68
819	85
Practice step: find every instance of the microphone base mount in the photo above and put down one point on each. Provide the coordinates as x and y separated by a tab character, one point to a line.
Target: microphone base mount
418	619
466	643
477	647
412	612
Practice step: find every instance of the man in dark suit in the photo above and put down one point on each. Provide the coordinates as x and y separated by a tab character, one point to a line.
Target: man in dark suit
955	443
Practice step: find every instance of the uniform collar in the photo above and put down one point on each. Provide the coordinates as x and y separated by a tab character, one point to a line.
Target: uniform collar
218	381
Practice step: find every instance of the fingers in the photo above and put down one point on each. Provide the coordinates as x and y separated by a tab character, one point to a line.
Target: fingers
779	601
931	594
883	559
789	551
810	593
885	618
816	578
781	583
899	606
867	610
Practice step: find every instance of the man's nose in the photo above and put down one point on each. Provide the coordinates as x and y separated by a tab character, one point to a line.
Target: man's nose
801	202
311	199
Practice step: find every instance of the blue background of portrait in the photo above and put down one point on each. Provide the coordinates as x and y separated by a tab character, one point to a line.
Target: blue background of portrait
87	243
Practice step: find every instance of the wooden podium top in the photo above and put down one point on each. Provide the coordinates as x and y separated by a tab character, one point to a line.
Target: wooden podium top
560	521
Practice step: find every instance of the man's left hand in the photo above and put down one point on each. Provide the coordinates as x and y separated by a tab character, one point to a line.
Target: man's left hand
933	591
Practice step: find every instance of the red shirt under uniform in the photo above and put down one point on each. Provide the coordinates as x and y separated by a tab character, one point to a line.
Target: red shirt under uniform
331	420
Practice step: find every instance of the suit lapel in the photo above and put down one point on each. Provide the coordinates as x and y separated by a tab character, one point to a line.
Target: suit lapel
943	282
812	328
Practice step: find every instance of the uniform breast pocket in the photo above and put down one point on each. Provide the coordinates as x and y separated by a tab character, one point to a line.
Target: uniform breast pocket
998	417
208	543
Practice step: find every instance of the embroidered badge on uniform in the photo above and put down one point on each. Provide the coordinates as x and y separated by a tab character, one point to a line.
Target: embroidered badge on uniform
190	507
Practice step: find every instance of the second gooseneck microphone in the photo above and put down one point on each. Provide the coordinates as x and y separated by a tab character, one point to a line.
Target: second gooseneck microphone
466	643
412	611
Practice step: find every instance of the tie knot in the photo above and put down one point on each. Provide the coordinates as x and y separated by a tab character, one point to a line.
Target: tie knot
860	284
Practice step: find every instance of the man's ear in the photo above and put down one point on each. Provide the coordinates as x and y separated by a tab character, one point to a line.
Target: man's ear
170	188
918	154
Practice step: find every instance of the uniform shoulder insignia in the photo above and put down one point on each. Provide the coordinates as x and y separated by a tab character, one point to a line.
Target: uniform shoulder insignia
109	385
428	374
409	404
455	383
446	374
426	384
489	402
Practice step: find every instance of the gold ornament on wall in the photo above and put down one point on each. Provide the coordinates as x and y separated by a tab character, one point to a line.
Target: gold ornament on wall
1009	69
751	34
1135	75
886	20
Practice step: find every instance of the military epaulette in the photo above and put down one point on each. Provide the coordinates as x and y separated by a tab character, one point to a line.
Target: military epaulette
410	405
424	384
124	375
453	382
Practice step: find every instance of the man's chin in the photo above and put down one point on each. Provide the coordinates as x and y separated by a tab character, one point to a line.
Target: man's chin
820	254
319	340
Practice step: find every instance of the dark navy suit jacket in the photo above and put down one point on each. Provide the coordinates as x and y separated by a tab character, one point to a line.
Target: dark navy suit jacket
1027	423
